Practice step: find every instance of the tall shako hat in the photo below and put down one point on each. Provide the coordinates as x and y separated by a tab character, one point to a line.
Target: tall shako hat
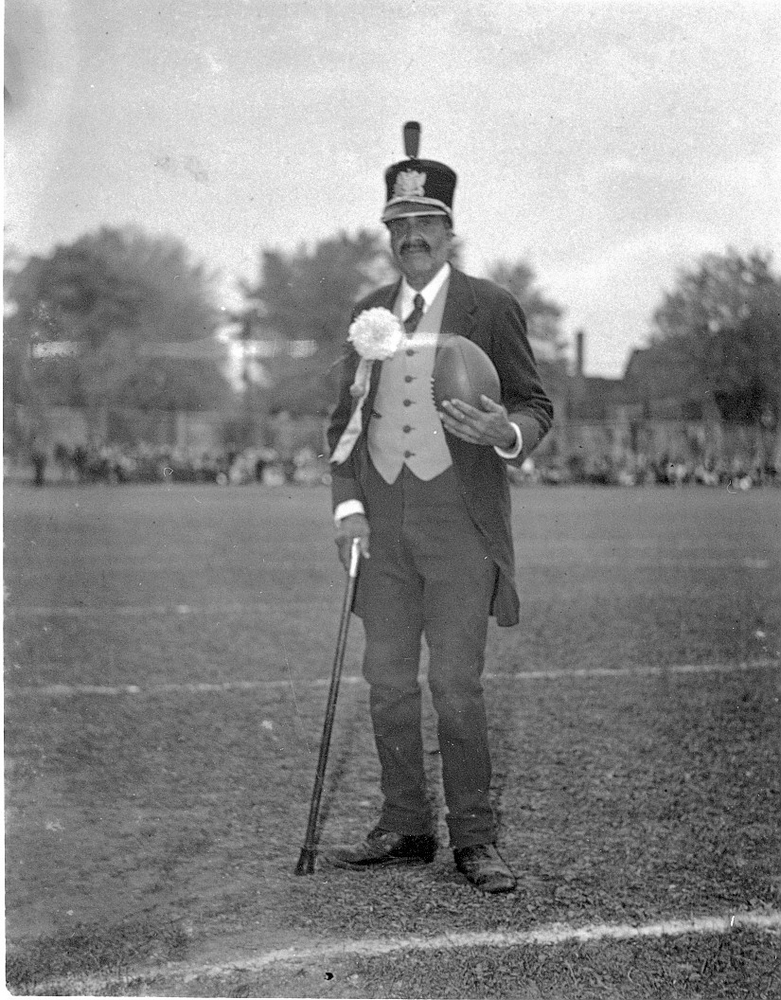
418	187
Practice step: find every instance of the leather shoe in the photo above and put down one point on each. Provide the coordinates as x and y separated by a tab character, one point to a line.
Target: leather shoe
384	847
484	867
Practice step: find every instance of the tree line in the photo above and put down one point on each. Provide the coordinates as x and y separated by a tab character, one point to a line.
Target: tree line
121	318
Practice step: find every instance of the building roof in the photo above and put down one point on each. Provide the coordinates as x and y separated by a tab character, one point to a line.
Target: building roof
592	398
653	375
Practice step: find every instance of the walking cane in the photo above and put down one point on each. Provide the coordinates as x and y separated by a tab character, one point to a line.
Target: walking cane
306	862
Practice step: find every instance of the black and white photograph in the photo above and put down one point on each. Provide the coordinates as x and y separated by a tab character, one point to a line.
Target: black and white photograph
392	499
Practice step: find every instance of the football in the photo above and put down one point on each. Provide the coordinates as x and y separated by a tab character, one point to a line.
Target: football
462	370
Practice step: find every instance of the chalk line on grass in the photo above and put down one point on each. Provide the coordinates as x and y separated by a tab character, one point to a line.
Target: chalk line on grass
69	690
552	934
123	610
548	935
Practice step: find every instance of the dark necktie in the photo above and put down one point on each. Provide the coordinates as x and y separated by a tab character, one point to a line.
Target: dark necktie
411	322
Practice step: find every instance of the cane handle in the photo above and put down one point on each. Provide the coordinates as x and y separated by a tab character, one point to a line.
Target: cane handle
355	555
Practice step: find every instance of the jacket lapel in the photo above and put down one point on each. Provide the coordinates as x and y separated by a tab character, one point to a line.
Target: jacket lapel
460	306
386	300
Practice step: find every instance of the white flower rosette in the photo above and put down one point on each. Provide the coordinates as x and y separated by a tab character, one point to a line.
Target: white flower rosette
376	334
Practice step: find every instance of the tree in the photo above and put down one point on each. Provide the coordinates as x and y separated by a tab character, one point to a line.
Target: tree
722	324
308	296
543	318
87	324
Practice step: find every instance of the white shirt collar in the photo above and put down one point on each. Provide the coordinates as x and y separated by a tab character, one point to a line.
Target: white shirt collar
429	293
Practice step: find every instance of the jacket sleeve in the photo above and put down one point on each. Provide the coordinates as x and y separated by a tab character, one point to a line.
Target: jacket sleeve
523	395
344	476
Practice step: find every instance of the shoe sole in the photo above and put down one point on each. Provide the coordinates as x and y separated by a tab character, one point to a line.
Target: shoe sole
369	865
488	891
495	892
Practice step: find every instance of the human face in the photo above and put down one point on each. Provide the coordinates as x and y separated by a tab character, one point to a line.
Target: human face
420	245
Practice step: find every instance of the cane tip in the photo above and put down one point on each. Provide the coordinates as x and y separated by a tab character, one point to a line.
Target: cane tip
306	862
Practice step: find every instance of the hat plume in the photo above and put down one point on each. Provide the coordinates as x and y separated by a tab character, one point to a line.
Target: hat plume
412	139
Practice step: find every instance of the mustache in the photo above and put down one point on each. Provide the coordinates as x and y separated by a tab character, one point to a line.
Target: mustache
415	244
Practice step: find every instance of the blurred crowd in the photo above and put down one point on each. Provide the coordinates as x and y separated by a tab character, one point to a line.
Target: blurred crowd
741	472
145	463
228	466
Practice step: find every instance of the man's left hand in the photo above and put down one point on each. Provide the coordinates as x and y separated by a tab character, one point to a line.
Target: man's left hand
488	426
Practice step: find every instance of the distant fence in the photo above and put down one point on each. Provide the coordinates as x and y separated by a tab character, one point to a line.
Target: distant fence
192	431
617	451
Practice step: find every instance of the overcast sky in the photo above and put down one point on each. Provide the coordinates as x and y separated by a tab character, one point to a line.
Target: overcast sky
606	143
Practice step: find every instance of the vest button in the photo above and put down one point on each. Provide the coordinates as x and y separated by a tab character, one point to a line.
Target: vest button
408	402
408	454
406	428
409	352
407	378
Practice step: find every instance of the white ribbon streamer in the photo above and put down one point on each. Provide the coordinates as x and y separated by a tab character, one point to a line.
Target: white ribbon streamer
351	433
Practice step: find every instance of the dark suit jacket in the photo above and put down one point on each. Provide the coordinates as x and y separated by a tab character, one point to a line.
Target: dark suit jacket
493	319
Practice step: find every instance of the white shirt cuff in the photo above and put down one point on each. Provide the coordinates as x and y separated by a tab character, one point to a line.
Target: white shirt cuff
517	448
347	507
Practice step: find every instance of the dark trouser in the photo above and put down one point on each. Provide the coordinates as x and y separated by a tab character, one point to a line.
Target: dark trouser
429	574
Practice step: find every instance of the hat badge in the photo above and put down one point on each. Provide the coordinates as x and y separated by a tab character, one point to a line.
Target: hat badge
410	184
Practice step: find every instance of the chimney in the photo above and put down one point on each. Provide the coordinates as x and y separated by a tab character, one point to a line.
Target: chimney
579	353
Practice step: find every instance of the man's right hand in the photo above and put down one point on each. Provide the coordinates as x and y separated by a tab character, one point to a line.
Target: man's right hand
352	526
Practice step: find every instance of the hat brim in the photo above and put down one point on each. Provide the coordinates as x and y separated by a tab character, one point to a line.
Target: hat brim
406	209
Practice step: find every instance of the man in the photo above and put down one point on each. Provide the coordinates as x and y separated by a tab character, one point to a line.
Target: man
426	493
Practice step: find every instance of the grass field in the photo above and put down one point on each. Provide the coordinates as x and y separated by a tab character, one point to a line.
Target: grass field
167	657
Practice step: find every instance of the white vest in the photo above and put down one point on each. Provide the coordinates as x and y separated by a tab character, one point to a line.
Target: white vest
404	428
